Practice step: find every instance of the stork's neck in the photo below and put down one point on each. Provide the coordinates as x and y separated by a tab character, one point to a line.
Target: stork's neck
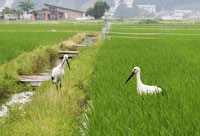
63	63
139	82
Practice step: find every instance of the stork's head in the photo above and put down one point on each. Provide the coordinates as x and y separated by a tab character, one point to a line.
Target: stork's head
135	70
66	59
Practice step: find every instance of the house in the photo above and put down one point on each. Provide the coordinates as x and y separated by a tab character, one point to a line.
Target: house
26	16
51	12
174	17
184	12
148	8
10	16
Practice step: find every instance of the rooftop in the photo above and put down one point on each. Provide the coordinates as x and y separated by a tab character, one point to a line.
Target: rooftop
64	8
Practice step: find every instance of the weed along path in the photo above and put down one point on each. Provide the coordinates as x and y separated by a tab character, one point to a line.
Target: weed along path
53	112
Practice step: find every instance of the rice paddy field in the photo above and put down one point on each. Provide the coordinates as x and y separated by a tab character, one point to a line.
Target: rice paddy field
18	38
15	43
169	56
59	27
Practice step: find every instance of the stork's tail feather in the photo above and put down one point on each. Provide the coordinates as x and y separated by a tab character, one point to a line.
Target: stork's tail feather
161	90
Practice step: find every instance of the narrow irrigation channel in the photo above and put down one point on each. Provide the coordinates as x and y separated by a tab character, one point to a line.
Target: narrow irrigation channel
21	98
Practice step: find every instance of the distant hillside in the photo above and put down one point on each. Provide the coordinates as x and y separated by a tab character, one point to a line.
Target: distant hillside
84	4
73	4
171	4
161	5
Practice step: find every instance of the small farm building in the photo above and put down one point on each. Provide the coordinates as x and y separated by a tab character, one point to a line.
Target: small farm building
51	12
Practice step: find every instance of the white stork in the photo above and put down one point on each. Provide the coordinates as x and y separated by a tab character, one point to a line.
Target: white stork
58	72
142	88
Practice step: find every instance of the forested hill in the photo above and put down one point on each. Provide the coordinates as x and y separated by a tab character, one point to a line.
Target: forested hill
84	4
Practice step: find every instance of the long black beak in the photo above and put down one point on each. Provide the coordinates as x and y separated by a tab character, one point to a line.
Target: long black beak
68	63
130	76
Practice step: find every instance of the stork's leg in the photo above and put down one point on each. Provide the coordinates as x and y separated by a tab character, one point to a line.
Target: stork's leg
163	93
60	85
57	86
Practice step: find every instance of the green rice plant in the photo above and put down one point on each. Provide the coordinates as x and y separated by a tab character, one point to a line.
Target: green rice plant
18	38
15	43
50	27
172	63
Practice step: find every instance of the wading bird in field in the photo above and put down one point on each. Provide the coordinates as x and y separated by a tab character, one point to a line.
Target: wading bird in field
142	88
59	72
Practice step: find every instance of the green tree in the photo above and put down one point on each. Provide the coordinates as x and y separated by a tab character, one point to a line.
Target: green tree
89	11
7	10
20	11
26	5
35	13
98	10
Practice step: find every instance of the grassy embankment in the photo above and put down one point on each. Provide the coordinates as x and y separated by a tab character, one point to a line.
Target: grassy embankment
17	42
54	112
172	62
23	62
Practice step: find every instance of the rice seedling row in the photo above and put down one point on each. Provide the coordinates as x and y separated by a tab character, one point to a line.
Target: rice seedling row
15	43
172	63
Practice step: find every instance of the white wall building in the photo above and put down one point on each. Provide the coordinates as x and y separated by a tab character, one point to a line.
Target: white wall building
175	17
183	11
149	8
26	16
129	3
10	16
116	3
